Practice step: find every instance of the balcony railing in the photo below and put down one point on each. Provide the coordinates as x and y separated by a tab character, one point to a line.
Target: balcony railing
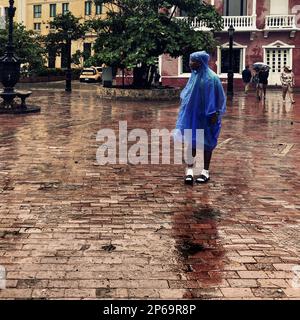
2	22
280	22
240	23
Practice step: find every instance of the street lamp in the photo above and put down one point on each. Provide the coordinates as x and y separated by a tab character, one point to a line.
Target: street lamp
10	74
69	70
10	63
230	74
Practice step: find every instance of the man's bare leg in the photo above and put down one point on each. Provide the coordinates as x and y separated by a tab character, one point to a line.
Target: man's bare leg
291	94
204	176
207	159
284	92
189	175
265	90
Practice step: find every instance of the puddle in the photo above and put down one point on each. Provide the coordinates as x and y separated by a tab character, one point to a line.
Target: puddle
207	213
28	283
109	248
9	234
85	247
104	293
49	185
188	248
201	256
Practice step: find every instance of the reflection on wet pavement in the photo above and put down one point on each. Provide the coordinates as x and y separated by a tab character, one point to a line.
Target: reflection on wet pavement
202	255
70	228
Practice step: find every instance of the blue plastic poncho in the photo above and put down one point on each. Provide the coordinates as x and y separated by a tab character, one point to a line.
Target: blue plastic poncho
202	97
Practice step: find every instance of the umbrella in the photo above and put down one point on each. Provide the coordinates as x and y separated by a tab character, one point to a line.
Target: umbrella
260	65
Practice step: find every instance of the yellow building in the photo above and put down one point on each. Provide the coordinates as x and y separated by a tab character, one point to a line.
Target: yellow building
37	14
20	13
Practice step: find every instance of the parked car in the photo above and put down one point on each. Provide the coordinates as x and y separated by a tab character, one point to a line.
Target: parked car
92	74
99	70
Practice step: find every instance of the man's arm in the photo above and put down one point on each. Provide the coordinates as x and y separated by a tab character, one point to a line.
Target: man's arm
220	101
281	78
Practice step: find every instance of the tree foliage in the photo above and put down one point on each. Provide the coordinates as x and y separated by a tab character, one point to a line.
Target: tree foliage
57	38
136	32
27	46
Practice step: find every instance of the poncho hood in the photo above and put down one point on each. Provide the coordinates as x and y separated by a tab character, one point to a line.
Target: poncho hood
201	57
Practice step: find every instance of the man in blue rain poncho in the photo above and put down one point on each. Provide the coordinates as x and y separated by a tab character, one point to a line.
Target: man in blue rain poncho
203	103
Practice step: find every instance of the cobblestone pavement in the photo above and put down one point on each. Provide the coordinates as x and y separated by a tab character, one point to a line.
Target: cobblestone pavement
70	228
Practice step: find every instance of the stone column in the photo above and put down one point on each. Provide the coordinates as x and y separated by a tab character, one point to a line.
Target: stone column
21	11
253	7
254	12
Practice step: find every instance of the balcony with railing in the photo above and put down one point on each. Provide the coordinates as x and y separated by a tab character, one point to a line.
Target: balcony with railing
195	24
240	23
2	18
2	22
278	22
281	23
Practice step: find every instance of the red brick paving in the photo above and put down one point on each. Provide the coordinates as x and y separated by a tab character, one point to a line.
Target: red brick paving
236	237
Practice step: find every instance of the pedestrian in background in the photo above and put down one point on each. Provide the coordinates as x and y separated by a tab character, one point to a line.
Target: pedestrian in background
247	76
288	82
255	81
263	76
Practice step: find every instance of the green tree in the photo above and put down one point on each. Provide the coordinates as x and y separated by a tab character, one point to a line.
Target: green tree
76	57
57	38
27	45
136	32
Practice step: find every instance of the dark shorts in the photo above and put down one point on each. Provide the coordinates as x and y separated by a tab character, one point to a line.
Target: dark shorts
261	84
263	81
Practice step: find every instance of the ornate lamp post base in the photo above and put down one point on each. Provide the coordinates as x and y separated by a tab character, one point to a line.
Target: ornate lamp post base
10	74
28	109
10	106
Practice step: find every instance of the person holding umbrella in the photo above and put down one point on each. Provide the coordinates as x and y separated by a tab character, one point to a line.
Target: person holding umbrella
263	75
255	81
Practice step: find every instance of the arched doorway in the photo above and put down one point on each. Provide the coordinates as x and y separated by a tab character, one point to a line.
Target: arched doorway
277	55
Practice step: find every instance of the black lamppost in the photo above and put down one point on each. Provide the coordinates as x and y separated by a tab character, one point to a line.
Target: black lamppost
9	63
69	58
230	74
10	75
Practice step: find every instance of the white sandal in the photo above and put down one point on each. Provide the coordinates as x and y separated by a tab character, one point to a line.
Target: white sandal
189	177
204	177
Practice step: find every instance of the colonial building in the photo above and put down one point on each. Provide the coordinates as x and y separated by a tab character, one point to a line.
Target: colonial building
37	14
20	13
265	30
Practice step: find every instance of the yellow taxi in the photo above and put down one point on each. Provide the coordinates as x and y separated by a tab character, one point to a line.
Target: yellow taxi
91	74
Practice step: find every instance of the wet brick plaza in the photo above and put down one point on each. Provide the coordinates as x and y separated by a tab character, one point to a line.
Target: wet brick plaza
70	228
